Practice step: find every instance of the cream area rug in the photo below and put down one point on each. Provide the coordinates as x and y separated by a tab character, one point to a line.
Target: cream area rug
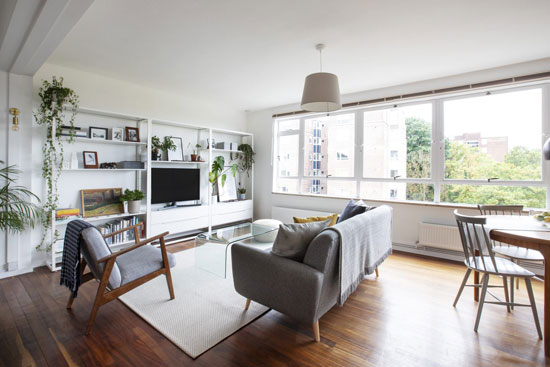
206	310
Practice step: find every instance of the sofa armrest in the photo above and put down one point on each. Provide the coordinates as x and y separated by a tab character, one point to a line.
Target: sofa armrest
285	285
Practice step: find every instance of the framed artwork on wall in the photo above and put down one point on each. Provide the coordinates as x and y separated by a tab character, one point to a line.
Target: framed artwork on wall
99	133
132	134
98	202
176	155
117	133
90	159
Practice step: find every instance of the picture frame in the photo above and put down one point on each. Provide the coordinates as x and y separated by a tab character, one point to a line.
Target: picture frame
117	134
100	202
99	133
132	134
176	155
229	191
90	159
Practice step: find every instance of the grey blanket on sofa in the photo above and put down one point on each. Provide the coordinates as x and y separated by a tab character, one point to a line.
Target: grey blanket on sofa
365	242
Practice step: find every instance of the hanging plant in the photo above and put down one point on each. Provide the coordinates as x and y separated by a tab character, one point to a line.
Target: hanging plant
245	157
53	96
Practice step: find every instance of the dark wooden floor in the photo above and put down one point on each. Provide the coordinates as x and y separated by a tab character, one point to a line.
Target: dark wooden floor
403	318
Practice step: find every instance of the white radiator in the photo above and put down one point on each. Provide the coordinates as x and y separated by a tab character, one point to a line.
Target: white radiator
439	236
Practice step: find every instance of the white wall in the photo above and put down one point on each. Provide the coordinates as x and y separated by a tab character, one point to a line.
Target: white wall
406	216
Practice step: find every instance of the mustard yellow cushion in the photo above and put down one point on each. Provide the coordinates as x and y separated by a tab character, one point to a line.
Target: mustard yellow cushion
333	218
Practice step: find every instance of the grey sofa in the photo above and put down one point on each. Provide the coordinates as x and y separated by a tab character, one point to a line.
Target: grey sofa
304	291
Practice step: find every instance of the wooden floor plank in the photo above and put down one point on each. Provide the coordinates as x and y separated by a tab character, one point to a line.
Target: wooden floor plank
403	318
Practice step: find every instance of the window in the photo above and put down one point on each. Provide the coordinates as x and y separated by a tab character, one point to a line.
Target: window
480	147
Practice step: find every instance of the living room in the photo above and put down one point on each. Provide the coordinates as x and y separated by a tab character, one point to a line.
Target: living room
274	183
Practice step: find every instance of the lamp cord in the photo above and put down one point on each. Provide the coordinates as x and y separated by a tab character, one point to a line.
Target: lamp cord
321	60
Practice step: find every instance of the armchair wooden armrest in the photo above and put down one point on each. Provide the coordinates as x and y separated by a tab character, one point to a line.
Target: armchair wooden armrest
139	244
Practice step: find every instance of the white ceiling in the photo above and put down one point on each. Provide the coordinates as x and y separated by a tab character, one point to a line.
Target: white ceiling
255	54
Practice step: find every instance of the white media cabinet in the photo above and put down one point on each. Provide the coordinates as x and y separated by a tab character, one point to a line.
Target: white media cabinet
179	221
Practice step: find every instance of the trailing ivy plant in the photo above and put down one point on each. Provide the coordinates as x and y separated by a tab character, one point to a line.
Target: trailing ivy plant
53	97
245	157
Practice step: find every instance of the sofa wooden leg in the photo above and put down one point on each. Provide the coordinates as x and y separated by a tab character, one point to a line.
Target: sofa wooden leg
247	304
376	271
316	332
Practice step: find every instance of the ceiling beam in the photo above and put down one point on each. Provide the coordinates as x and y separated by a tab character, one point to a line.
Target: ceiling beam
34	30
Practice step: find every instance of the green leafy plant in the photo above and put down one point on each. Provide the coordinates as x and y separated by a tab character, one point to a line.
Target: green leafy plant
197	147
131	195
168	144
156	145
219	170
241	190
245	157
55	99
17	211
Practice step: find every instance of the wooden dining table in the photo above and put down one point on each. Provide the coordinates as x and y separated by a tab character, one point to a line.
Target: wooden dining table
529	233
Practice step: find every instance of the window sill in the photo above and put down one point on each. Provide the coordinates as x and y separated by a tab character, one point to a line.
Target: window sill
399	202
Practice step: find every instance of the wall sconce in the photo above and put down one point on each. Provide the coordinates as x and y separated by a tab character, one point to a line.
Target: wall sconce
15	112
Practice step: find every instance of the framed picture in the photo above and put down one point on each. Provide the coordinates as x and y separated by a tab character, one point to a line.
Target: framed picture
176	155
97	202
98	133
90	159
132	134
229	191
117	134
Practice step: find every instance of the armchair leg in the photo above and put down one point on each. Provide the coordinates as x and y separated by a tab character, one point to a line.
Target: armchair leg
247	304
167	267
316	333
376	271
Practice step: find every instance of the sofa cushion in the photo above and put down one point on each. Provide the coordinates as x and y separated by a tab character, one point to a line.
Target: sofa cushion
354	208
293	239
333	219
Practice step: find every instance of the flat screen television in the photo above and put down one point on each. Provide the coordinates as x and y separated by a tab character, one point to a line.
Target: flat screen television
169	185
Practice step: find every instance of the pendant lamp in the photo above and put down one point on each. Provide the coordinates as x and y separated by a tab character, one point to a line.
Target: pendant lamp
546	150
321	90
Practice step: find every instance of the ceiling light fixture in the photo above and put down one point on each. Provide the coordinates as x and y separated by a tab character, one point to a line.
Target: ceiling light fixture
321	90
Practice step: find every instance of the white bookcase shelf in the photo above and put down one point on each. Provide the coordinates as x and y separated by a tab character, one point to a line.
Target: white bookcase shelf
178	220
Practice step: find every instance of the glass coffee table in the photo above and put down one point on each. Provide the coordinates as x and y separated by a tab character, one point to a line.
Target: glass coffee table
212	248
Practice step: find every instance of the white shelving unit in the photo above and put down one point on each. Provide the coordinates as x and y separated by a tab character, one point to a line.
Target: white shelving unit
178	220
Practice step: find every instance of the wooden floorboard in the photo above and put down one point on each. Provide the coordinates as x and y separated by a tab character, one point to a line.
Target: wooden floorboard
403	318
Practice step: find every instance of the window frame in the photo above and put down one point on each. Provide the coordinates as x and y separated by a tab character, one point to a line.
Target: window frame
437	168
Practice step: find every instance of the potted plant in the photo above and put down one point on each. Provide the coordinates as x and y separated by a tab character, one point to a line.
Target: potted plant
133	197
195	156
156	148
245	157
167	144
242	193
218	170
17	212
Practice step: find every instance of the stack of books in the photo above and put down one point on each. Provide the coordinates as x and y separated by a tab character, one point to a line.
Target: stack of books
66	213
76	131
117	225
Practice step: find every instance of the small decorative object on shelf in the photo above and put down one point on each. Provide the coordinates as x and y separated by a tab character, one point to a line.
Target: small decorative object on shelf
175	154
156	147
242	193
73	131
74	161
131	165
133	197
98	202
90	159
132	134
117	134
223	145
108	165
195	156
98	133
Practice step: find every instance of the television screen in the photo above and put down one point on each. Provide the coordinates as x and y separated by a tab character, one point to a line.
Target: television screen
174	184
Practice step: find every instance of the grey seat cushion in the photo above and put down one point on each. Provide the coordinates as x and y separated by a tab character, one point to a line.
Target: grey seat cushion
95	249
141	261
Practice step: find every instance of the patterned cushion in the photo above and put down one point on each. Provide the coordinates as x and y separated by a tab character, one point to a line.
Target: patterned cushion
333	219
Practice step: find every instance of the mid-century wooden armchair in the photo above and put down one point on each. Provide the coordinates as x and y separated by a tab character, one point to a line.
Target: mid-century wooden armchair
124	270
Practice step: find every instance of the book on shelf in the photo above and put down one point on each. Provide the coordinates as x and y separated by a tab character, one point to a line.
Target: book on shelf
65	213
117	225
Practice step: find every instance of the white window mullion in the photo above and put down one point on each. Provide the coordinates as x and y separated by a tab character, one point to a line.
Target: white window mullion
359	125
301	154
546	135
438	149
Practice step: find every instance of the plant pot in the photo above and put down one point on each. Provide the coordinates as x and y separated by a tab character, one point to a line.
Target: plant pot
242	196
155	156
134	206
193	157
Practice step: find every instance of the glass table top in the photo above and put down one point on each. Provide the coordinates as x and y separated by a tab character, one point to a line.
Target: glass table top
236	233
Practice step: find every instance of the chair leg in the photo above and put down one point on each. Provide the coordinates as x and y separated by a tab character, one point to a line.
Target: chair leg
466	276
485	282
247	304
376	271
166	264
512	283
170	284
533	305
505	283
316	333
